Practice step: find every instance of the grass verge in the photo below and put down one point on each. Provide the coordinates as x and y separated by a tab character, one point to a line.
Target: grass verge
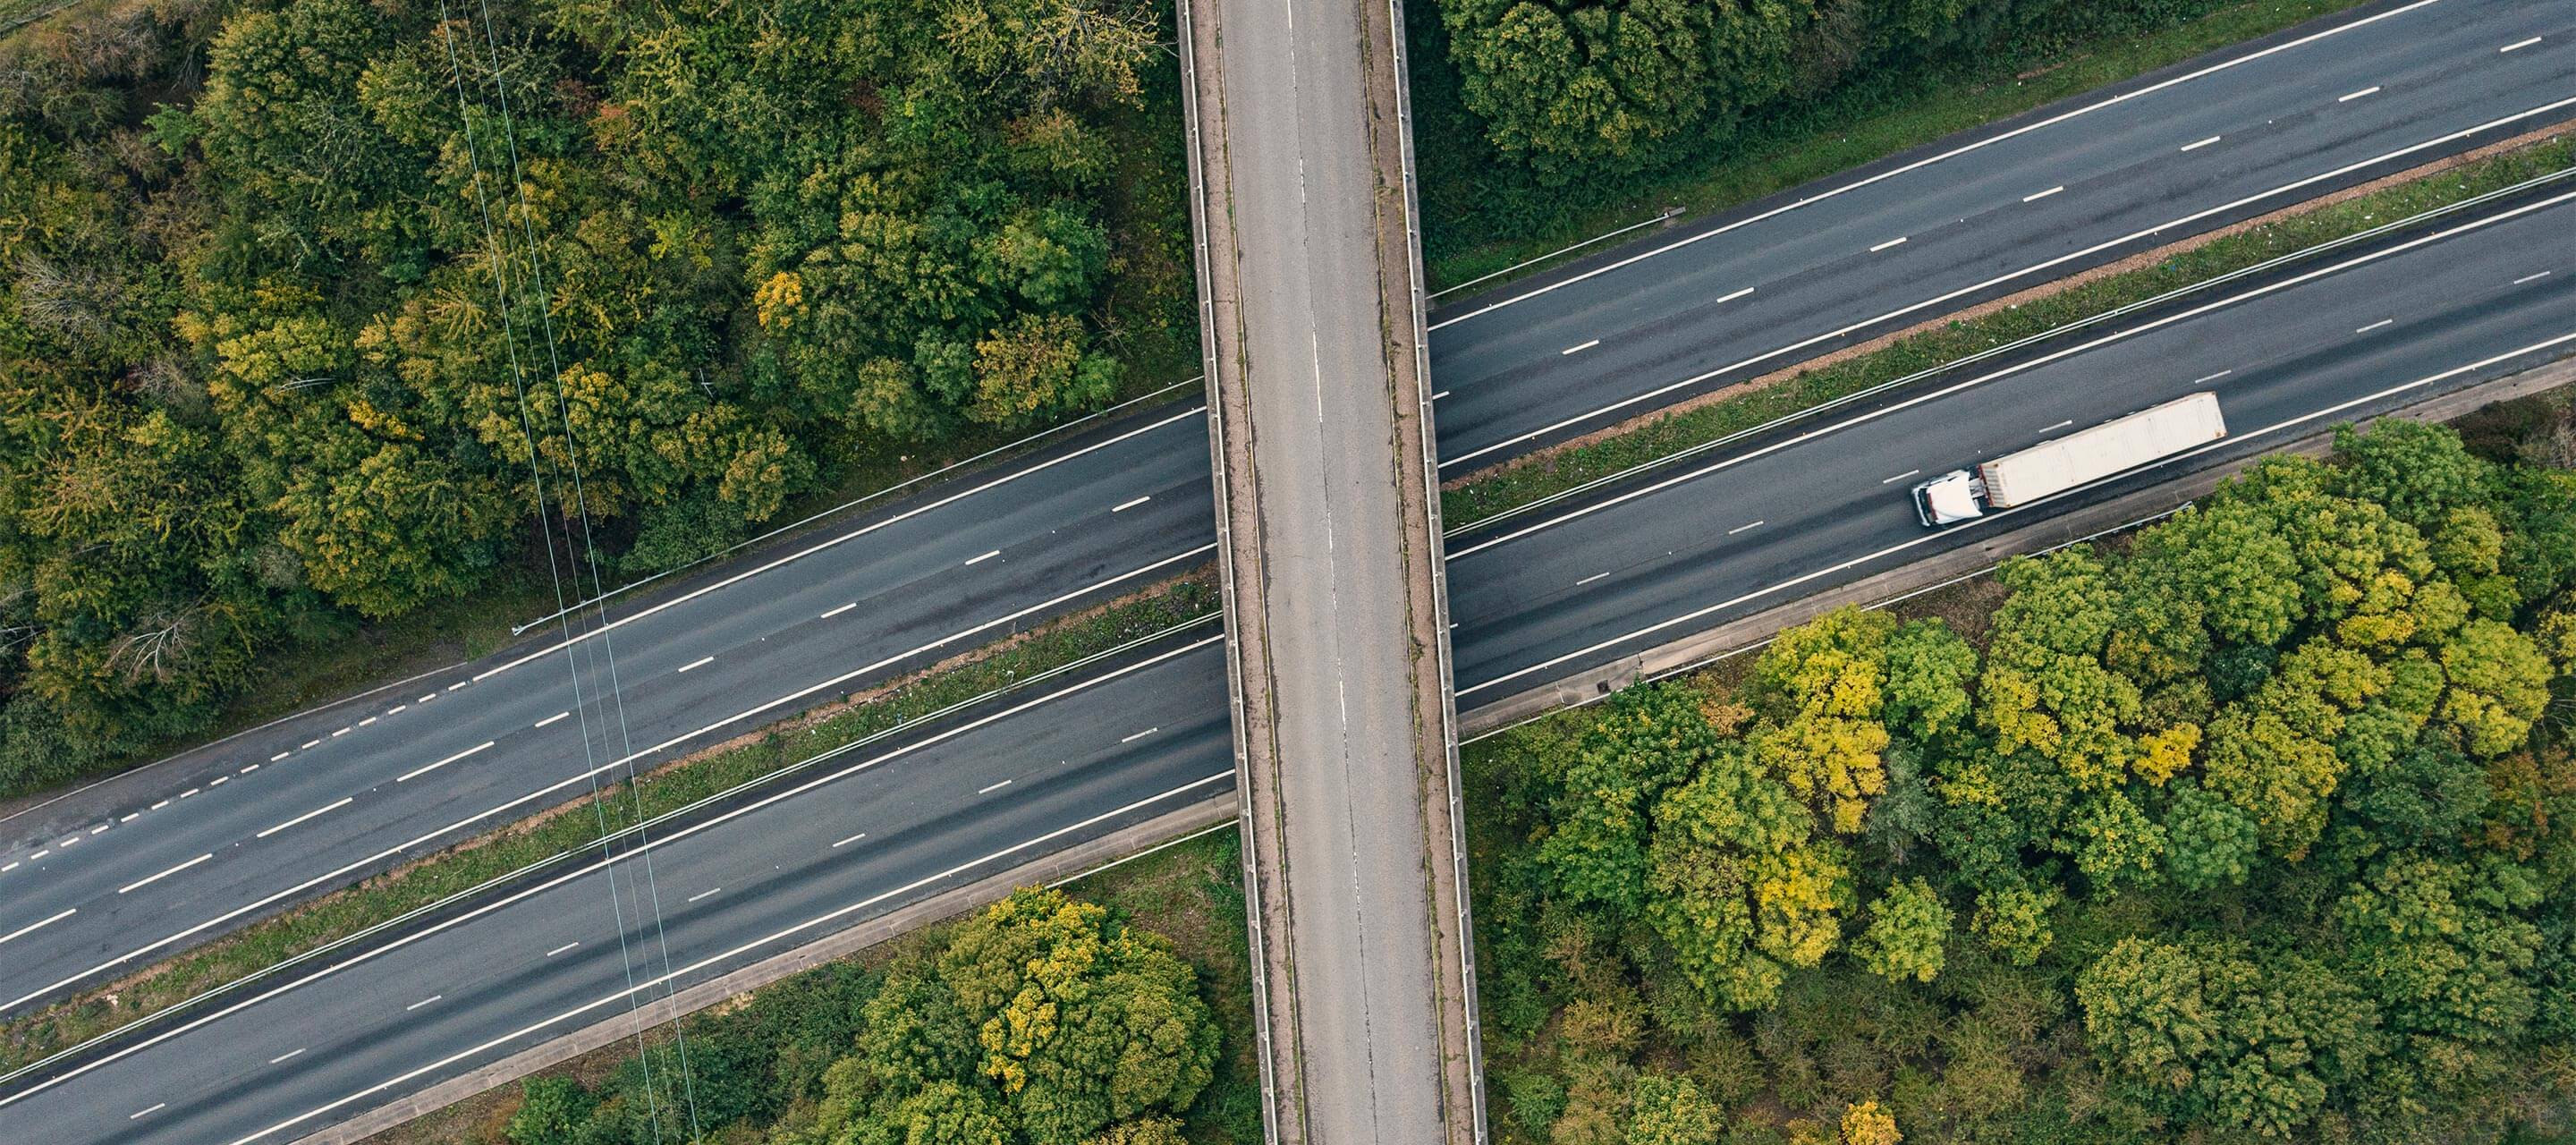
571	826
1649	440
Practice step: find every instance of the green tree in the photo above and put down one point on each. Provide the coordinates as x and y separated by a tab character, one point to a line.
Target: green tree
1909	926
1736	885
2209	842
1645	740
1929	670
2499	686
1664	1109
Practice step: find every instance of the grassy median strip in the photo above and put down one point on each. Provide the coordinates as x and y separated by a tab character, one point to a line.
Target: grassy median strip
1481	498
572	827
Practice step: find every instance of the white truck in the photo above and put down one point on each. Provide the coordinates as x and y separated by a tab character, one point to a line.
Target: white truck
2079	458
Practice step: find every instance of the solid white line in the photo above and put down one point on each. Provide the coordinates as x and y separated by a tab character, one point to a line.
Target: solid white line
1574	349
2212	377
701	894
838	611
2517	45
561	949
1142	734
2374	326
1741	528
2043	194
1897	241
141	1112
1927	161
2018	367
1965	291
1131	504
551	719
1891	550
287	1054
417	772
1898	477
851	839
2059	426
307	815
422	1002
33	926
612	765
2202	143
700	662
1190	414
993	788
985	557
2531	278
163	875
2371	90
1589	579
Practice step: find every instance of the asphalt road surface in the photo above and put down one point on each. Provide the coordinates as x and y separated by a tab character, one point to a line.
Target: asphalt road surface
1826	503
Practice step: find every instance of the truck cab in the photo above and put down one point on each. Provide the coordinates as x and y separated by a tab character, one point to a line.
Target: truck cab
1949	499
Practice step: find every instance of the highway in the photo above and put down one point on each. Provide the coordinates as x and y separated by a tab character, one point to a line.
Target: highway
2387	322
133	869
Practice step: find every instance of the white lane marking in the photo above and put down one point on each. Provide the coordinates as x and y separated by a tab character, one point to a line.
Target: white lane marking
1927	161
1928	538
1897	241
422	1002
993	788
397	709
131	816
141	883
2466	227
101	829
851	839
2198	144
366	721
217	781
700	662
279	756
702	894
9	868
551	719
287	1054
341	732
561	949
189	792
141	1112
35	926
2043	194
310	744
426	699
2374	326
1578	349
458	684
2371	90
1898	477
2058	426
2212	377
417	772
247	769
158	806
1440	395
2531	278
2517	45
69	841
307	815
838	611
621	995
1741	528
1123	507
612	765
1189	414
1910	308
985	557
40	854
1589	579
1142	734
1723	298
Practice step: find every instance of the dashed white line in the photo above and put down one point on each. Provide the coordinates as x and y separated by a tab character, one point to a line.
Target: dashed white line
2531	278
140	1112
1440	395
993	788
68	842
2517	45
101	829
2043	194
985	557
1741	528
426	699
131	816
840	610
851	839
458	684
700	662
2371	90
158	806
552	718
9	868
2212	377
40	854
279	756
189	792
2195	146
35	926
310	744
141	883
247	769
286	1055
1142	734
1734	296
561	949
397	709
366	721
2058	426
422	1002
1578	349
219	781
703	894
1894	242
342	732
1898	477
307	815
2374	326
1131	504
417	772
1589	579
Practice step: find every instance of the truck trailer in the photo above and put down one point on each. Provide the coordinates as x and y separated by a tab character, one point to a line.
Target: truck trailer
2080	458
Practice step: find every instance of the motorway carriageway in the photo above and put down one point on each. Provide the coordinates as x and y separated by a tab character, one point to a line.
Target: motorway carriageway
111	879
2287	352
